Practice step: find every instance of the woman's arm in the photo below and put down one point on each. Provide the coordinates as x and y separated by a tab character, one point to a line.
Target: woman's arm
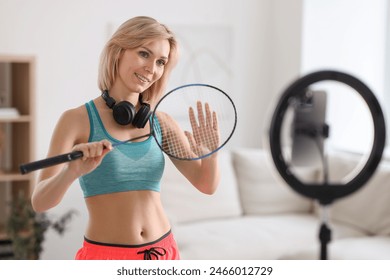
203	173
53	182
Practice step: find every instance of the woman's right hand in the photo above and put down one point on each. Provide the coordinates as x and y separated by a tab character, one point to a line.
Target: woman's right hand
93	154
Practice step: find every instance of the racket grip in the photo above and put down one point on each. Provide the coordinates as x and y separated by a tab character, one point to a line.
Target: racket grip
39	164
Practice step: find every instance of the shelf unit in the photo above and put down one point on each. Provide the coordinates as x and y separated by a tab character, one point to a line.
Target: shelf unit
17	133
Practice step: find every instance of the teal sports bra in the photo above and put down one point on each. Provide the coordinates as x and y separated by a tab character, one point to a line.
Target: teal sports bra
131	166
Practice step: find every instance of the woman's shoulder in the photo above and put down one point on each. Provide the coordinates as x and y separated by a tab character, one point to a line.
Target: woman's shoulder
162	116
74	122
73	114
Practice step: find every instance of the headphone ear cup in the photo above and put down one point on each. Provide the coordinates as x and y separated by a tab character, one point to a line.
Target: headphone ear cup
142	116
124	112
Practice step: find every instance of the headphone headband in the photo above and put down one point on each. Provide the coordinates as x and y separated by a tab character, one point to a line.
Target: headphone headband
124	112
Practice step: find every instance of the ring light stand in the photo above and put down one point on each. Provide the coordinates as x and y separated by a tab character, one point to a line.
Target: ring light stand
326	192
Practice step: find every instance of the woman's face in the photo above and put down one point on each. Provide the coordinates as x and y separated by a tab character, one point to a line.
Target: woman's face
139	68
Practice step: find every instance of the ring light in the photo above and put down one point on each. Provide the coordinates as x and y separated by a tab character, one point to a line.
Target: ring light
327	192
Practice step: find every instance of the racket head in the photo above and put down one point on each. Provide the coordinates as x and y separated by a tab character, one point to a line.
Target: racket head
196	133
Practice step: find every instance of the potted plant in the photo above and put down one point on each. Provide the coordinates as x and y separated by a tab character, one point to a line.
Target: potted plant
27	229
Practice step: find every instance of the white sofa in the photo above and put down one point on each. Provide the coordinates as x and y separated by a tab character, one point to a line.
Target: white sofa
255	215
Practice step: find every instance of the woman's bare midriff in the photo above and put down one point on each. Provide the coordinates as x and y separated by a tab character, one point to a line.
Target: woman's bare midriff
128	218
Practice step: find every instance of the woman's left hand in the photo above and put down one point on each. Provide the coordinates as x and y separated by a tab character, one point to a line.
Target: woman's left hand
205	131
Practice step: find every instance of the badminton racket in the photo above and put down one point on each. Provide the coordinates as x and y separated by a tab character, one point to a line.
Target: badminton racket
190	122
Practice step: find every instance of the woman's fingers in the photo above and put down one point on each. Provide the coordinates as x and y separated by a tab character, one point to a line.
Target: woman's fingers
201	118
93	149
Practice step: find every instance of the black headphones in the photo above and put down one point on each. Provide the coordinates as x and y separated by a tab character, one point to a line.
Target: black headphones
124	112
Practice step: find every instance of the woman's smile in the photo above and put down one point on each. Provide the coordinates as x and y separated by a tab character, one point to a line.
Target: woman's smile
142	78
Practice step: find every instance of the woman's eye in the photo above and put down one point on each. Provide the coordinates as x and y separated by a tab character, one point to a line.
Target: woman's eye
144	54
161	62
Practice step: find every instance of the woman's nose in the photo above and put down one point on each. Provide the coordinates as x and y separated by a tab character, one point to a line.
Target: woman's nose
149	68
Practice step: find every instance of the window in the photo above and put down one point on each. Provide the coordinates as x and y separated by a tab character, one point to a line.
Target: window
349	36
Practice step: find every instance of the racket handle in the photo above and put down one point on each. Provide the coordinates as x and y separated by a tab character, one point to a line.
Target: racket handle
39	164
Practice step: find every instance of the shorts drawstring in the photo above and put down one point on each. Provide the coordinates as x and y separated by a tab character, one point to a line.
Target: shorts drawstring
152	252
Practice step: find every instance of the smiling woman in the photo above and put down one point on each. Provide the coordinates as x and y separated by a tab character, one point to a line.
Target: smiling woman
121	186
143	65
144	31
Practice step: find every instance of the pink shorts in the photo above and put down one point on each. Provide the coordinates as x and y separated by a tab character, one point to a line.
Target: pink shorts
164	248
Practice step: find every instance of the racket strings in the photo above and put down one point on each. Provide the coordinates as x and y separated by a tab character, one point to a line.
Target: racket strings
177	145
194	121
207	140
187	144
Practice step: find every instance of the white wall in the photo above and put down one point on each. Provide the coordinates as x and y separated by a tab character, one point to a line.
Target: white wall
67	37
348	36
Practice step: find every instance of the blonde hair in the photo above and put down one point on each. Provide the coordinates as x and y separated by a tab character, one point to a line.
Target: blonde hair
132	34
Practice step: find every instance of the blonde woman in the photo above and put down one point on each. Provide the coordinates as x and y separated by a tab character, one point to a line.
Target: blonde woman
121	186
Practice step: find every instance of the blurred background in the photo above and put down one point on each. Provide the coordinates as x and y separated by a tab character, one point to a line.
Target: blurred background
252	49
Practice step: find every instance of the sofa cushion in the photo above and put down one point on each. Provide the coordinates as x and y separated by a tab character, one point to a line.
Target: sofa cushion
254	237
369	207
184	203
354	248
261	189
248	237
364	248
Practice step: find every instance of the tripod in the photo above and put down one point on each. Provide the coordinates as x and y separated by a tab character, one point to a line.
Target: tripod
325	234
